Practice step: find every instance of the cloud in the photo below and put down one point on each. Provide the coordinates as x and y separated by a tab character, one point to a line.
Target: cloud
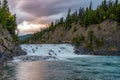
29	28
45	11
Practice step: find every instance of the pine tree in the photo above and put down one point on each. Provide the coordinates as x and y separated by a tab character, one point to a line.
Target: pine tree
90	7
7	20
68	20
118	13
116	2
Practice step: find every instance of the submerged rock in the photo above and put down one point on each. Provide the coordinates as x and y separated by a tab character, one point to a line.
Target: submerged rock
83	51
34	58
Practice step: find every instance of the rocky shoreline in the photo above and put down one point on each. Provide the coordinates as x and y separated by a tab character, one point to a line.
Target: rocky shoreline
85	51
8	47
6	56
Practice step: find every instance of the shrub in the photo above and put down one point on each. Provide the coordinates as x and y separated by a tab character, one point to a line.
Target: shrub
99	42
61	34
94	41
90	38
74	29
77	40
99	27
112	16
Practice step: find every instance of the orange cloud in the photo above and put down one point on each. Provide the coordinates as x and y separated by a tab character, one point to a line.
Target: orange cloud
29	28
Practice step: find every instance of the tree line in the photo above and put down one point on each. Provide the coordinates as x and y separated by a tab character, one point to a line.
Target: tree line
85	17
88	16
7	19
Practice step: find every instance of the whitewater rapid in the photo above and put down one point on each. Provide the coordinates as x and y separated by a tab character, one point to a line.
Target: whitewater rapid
47	52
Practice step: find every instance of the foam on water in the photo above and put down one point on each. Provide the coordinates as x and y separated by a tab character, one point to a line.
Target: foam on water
60	51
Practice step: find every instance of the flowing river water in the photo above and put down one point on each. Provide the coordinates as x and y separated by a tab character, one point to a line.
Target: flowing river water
61	63
82	68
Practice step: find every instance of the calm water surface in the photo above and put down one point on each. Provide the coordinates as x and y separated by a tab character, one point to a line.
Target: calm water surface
82	68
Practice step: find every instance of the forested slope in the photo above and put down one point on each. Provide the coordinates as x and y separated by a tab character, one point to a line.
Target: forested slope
97	29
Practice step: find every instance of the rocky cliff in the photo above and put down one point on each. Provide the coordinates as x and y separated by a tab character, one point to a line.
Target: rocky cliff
108	30
8	48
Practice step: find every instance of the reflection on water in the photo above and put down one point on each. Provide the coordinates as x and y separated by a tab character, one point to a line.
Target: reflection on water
83	68
42	71
33	68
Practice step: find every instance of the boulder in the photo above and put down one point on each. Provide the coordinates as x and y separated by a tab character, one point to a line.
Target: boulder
19	51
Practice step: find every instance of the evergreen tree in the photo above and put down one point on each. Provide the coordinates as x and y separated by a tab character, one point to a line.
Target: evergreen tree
7	20
116	2
90	38
81	16
118	13
85	17
90	7
68	20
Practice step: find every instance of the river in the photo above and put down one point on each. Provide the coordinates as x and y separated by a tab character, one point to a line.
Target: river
83	68
61	64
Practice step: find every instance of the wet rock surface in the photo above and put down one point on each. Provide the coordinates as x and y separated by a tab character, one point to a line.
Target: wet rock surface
19	51
84	51
8	47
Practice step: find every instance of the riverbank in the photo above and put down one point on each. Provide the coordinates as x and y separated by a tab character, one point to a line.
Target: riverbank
7	56
84	51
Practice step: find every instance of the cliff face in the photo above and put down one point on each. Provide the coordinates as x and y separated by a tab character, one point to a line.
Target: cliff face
7	46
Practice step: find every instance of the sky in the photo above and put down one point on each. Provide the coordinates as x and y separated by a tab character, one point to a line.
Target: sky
32	15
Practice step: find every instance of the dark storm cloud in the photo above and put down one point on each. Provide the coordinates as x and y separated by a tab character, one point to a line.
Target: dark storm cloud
30	10
42	12
40	8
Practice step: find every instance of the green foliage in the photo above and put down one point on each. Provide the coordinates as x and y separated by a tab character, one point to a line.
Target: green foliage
118	13
112	16
85	17
61	34
77	40
7	20
90	39
99	42
15	39
93	41
74	29
68	20
99	27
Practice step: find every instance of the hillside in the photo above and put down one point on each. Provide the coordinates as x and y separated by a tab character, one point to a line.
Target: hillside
108	32
25	36
96	30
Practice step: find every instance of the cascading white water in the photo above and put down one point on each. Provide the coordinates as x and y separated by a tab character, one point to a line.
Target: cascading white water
48	52
62	50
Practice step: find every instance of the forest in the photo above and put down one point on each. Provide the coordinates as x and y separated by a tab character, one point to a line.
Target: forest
108	10
7	19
